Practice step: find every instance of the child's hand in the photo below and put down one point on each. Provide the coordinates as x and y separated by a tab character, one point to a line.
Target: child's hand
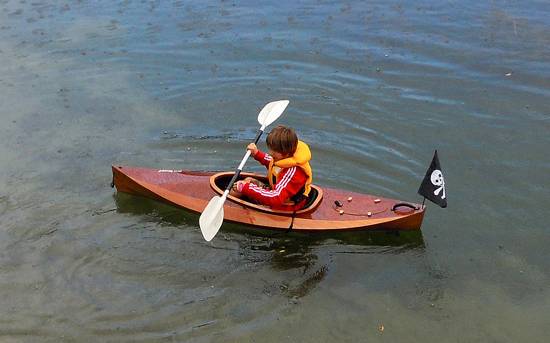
238	186
253	149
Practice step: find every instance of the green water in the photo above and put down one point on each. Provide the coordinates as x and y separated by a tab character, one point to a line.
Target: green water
374	88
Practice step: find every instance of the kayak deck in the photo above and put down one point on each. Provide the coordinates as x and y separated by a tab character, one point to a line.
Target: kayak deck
192	190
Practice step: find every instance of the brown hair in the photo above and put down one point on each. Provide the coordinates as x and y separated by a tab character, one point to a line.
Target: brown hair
283	140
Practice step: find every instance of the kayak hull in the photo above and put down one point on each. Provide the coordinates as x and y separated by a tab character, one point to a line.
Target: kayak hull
192	190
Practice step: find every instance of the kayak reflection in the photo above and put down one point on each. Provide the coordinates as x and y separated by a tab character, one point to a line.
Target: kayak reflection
302	260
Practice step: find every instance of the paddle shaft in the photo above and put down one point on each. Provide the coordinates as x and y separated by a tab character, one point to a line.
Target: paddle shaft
240	167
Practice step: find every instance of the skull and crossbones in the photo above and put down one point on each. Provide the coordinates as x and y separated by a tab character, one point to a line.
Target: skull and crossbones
438	181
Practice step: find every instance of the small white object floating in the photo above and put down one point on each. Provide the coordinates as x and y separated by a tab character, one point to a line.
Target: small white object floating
350	199
376	201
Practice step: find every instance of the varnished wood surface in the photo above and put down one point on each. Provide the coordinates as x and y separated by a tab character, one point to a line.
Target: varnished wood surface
192	190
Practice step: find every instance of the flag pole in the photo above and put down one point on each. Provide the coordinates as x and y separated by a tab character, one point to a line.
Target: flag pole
423	201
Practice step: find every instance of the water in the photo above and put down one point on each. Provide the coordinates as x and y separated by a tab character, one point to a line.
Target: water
374	88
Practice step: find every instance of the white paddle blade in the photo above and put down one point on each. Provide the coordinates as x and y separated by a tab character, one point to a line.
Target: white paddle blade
211	218
271	112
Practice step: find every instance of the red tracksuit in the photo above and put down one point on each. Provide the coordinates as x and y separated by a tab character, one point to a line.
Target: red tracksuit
290	182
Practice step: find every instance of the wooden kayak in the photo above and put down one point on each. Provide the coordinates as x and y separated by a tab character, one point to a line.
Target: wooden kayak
328	210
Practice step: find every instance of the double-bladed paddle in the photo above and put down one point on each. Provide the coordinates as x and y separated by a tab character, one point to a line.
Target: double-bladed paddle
211	218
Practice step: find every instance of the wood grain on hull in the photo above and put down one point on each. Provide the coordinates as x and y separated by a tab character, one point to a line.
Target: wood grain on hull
192	190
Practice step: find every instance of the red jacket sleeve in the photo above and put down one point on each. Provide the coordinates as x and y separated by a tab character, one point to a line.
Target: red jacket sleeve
290	183
263	158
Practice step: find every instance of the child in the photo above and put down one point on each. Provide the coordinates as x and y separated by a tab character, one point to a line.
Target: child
288	172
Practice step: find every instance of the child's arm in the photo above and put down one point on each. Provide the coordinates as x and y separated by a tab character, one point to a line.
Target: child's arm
259	155
291	183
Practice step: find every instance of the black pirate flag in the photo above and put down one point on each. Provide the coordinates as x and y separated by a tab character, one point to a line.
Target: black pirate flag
433	185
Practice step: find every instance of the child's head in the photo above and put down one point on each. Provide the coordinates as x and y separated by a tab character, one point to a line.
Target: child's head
282	142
